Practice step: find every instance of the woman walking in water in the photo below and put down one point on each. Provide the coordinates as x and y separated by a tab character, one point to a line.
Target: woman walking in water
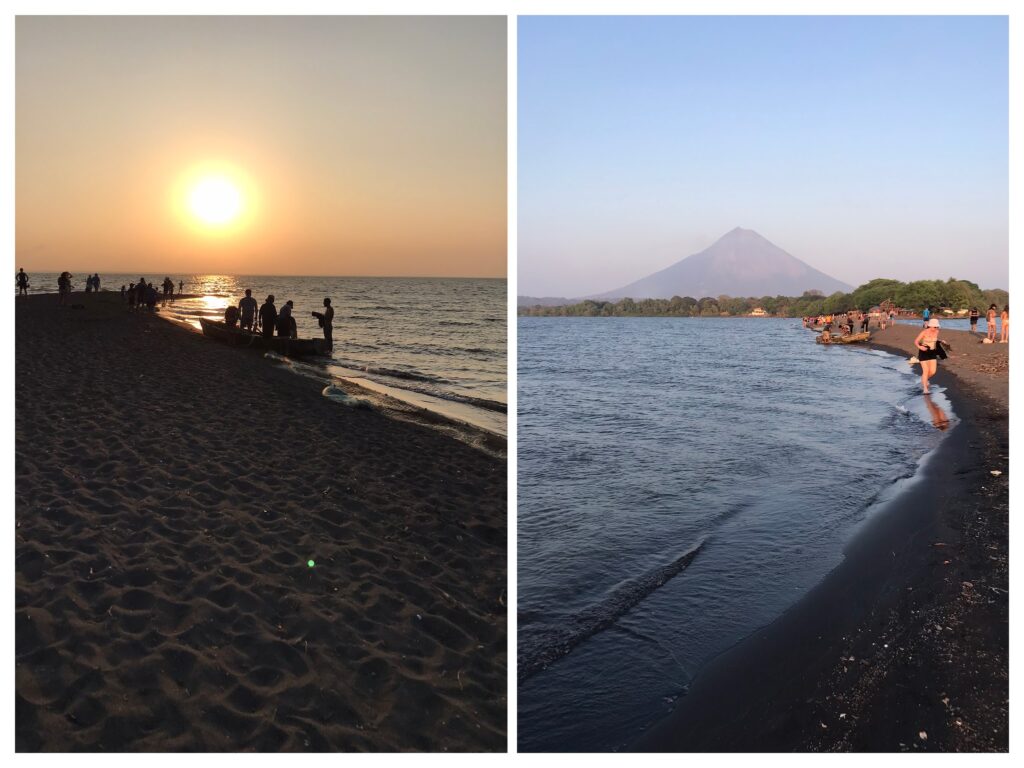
1005	317
929	350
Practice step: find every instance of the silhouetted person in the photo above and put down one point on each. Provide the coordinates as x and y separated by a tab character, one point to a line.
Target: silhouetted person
22	282
96	282
181	287
326	319
140	292
123	292
132	295
231	316
151	296
285	321
64	288
247	309
268	316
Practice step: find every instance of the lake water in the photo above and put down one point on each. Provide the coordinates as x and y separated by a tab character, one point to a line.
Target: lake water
645	440
436	343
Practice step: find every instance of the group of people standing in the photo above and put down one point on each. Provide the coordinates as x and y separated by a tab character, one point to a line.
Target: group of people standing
851	321
92	283
144	294
268	319
990	321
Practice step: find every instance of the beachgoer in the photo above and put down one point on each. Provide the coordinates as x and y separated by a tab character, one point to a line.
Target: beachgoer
124	290
826	336
96	282
231	316
151	296
140	292
88	283
865	320
63	288
929	350
181	287
247	309
268	317
132	295
926	315
326	319
990	320
285	321
974	319
22	282
1005	317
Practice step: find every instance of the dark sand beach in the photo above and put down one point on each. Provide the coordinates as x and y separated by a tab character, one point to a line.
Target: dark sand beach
904	646
169	493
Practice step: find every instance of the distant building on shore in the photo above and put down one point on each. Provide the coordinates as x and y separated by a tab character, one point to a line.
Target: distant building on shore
758	312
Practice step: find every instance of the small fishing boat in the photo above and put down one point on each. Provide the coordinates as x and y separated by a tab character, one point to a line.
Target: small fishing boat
238	337
851	338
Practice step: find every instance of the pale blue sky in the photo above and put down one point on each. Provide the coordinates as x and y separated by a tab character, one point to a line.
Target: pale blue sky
866	146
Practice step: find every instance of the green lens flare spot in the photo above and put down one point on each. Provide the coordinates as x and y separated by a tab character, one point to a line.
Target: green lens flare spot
310	563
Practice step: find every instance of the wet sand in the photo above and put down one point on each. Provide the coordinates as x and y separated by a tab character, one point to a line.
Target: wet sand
169	493
904	646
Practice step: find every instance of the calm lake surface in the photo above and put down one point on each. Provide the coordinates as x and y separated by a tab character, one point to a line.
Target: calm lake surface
643	440
436	343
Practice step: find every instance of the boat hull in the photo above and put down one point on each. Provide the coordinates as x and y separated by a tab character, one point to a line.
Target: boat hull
853	338
237	337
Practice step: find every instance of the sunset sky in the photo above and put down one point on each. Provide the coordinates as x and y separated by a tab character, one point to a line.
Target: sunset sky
867	146
274	145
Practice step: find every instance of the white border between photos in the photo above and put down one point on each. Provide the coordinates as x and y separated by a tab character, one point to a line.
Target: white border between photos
511	9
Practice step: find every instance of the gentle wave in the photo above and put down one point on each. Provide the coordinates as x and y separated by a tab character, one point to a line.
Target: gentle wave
551	642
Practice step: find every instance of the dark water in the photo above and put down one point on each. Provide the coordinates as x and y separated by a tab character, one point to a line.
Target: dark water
437	343
681	483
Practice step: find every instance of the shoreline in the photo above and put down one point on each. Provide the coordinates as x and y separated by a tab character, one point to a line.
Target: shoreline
169	492
908	635
387	400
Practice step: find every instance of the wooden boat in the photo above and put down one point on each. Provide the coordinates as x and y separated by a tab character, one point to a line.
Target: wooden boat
237	337
852	338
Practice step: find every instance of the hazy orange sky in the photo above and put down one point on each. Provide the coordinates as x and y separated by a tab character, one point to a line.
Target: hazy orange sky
360	145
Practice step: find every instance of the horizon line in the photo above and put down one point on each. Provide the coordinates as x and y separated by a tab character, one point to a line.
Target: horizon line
239	274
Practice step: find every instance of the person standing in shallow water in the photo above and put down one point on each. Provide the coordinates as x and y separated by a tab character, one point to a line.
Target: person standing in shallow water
285	322
268	316
247	310
22	281
929	351
326	319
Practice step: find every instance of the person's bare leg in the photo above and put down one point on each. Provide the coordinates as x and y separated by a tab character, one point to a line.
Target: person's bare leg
927	371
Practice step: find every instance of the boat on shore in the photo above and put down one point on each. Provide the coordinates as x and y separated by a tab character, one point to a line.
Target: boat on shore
850	338
238	337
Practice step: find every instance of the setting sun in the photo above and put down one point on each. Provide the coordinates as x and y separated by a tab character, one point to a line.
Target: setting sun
216	198
215	201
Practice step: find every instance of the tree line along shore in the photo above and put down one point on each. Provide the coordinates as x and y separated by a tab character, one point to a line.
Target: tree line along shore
955	295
